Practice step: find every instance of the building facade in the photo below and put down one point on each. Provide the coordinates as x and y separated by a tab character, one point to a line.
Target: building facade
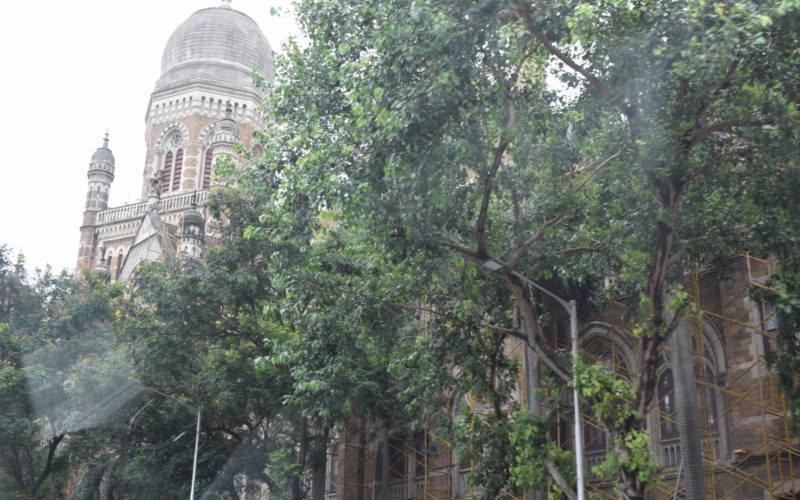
203	103
748	448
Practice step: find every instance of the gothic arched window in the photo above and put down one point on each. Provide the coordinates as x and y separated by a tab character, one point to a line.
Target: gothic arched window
207	166
119	264
173	164
608	349
176	173
666	405
166	173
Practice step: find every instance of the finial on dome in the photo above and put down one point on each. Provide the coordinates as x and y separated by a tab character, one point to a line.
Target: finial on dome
226	3
228	110
105	140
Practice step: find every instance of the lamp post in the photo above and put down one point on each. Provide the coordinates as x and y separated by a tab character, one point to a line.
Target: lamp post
571	307
196	434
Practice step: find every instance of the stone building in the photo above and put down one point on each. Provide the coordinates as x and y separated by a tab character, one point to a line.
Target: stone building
747	445
203	103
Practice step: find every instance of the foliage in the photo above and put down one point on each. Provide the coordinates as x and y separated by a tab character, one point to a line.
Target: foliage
54	344
572	141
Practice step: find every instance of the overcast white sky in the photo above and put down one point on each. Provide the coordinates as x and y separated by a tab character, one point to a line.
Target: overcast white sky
71	70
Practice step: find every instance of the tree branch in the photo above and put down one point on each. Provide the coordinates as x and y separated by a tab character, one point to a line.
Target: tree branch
559	479
499	329
51	452
465	252
595	168
628	111
616	258
702	133
724	84
520	250
500	150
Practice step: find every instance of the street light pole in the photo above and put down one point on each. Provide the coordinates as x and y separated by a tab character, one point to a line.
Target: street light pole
572	309
196	448
196	434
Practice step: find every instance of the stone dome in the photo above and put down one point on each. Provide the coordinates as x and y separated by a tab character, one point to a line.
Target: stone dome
219	46
193	217
102	160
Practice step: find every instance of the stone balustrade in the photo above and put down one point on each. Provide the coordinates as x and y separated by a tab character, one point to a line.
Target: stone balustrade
168	203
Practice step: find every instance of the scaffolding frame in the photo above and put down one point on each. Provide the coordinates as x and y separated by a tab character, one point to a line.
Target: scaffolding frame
773	465
768	469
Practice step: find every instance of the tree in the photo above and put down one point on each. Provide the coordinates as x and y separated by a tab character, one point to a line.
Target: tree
267	336
572	141
54	338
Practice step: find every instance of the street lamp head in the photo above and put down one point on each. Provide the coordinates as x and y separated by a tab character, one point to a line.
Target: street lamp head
496	266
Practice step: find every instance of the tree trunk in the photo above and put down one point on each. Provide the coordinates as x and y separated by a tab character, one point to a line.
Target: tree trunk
534	404
688	411
302	452
51	452
320	467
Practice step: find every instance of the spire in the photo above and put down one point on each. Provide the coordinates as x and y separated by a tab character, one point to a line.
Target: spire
226	4
228	110
105	140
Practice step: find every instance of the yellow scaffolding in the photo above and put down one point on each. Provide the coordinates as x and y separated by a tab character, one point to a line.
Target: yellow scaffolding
739	403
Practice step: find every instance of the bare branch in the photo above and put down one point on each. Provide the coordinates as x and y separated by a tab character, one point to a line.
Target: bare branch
465	252
595	168
703	132
520	250
724	84
499	152
628	111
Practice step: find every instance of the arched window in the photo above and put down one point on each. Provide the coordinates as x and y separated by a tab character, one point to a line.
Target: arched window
176	175
606	347
166	173
666	405
119	264
207	166
173	164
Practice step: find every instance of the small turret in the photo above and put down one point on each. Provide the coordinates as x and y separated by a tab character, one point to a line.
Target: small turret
193	231
225	135
100	175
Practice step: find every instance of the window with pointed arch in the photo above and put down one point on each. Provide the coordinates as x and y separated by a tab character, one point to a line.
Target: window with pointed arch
208	164
120	258
599	348
172	165
709	373
669	438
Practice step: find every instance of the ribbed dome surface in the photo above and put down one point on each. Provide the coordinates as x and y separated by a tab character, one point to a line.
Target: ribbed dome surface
103	155
218	45
102	160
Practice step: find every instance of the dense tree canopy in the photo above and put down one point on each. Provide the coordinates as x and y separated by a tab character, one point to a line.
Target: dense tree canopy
409	142
571	141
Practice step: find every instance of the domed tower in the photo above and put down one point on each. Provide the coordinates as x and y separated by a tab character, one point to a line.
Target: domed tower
203	103
100	175
206	88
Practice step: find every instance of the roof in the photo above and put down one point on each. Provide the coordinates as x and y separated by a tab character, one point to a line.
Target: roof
217	45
